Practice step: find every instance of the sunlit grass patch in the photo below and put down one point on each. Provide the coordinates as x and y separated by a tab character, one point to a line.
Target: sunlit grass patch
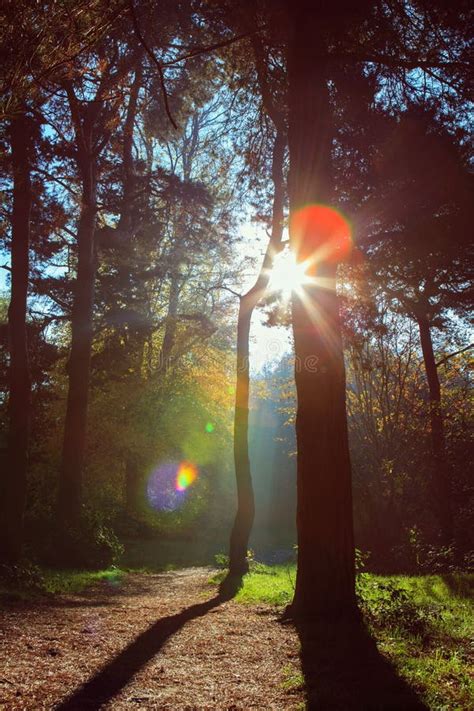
268	584
74	581
423	624
27	581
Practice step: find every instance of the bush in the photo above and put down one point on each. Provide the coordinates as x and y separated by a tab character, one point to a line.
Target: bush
416	555
389	606
254	565
24	576
93	545
222	561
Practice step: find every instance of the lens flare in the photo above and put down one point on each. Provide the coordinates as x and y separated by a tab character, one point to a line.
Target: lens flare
209	427
287	274
320	234
168	485
187	474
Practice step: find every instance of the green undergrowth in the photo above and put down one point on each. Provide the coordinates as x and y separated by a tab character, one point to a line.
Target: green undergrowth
423	624
74	581
28	581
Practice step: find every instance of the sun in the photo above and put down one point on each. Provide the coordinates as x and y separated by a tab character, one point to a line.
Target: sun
287	275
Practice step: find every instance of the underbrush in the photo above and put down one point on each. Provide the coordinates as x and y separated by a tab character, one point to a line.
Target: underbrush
25	581
74	581
423	624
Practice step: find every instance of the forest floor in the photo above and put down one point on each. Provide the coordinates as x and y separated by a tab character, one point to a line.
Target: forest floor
168	641
147	641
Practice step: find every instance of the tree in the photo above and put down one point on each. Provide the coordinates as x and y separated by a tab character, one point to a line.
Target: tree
390	46
245	513
387	429
92	120
247	302
325	575
420	252
172	227
15	470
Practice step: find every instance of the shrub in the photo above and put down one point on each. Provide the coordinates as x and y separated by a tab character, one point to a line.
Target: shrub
254	565
93	545
387	605
416	555
222	561
24	576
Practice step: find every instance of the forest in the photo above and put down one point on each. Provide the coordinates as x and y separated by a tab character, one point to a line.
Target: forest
236	355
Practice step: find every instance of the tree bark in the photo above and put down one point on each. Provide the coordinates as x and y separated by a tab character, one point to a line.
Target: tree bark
325	581
169	336
240	534
74	443
127	221
441	480
19	405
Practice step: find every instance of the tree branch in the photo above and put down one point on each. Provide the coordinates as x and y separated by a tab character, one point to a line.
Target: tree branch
151	54
451	355
211	47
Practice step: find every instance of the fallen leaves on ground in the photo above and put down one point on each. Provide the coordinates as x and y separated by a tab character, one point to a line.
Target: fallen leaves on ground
161	641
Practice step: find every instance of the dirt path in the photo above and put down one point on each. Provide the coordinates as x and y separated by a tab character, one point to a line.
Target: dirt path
152	642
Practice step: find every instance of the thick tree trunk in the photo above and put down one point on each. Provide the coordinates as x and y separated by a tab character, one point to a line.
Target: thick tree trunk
14	474
74	443
243	522
441	479
325	576
325	581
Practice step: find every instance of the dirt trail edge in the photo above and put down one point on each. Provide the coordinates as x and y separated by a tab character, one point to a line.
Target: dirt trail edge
162	641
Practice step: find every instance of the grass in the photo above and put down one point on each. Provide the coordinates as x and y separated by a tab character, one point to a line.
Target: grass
293	680
74	581
423	624
29	581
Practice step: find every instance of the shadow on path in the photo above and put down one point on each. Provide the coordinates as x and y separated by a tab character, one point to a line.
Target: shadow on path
344	670
120	670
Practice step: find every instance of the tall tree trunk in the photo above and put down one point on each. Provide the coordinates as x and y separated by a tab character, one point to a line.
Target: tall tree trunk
127	225
134	463
239	538
92	128
14	475
442	483
171	324
325	581
74	443
128	222
240	534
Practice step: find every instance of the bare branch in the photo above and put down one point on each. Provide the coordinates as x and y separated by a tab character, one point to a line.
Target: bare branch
451	355
151	54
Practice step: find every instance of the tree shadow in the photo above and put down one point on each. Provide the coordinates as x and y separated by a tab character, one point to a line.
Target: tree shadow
120	670
344	670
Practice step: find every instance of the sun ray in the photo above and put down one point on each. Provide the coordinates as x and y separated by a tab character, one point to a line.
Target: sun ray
288	275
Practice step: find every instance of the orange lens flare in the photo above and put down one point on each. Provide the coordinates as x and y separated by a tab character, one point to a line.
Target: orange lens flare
186	475
320	234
